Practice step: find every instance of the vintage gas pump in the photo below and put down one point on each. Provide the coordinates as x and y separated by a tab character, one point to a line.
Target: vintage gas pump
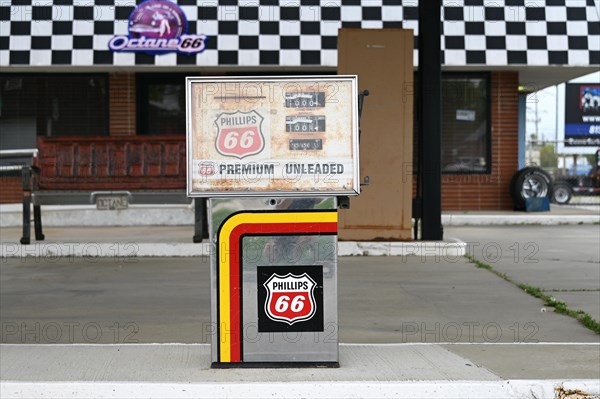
273	155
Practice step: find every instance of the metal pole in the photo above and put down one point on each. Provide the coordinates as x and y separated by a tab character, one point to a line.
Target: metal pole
537	122
430	122
556	121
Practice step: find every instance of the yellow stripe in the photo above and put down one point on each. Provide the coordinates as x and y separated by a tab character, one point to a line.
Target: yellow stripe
224	260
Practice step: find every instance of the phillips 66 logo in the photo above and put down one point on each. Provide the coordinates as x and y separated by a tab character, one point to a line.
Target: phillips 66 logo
239	134
290	298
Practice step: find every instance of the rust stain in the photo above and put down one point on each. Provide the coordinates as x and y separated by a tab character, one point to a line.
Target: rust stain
561	393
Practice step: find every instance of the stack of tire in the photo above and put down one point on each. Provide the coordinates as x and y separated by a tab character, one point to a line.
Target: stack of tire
530	182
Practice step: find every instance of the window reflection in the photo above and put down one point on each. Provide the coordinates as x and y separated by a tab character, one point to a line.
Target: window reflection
464	125
466	132
162	105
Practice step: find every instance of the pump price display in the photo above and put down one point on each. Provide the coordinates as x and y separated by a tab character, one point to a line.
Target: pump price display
305	124
272	136
306	145
304	100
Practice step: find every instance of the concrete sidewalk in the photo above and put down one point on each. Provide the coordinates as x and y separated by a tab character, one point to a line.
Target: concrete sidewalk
167	231
125	325
181	371
176	241
183	215
412	327
562	261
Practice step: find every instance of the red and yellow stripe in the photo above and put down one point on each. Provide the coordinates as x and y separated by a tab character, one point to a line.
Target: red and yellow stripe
229	263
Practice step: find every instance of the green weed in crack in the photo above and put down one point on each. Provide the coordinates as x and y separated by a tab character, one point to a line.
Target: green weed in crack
559	306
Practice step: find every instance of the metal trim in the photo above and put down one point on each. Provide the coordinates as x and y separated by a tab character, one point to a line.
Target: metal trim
19	153
88	198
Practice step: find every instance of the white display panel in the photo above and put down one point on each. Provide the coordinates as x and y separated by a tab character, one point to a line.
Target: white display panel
272	136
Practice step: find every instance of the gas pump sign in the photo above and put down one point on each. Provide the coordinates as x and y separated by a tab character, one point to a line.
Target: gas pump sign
272	155
281	136
290	298
239	134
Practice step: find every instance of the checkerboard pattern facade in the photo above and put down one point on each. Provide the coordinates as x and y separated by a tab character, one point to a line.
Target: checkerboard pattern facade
294	33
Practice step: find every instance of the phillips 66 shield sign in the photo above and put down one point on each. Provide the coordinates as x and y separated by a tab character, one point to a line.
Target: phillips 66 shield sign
290	298
239	134
282	136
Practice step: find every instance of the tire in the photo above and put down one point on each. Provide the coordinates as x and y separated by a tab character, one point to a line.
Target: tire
530	183
561	193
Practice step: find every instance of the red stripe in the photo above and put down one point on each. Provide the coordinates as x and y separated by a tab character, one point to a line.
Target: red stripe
235	267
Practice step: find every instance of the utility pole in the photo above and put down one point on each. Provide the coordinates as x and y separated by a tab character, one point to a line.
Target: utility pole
556	121
537	120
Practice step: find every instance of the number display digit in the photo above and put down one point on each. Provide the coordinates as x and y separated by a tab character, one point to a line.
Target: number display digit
297	304
282	303
247	139
231	140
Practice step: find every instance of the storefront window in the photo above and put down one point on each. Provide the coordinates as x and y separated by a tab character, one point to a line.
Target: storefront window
51	105
465	124
161	104
161	100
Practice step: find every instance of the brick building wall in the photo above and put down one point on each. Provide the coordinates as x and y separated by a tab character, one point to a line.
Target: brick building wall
459	192
491	192
11	190
122	122
122	104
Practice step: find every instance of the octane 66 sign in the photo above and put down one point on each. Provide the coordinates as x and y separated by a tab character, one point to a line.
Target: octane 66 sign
281	136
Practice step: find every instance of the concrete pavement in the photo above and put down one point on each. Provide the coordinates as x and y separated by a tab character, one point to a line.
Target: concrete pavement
563	261
183	215
444	328
381	300
175	241
167	230
181	371
412	326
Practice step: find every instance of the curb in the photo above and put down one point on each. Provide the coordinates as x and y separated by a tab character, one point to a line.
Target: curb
183	215
521	389
452	250
123	250
89	216
526	219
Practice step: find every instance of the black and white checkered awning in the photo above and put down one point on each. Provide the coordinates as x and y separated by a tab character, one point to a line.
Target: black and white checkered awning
297	33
